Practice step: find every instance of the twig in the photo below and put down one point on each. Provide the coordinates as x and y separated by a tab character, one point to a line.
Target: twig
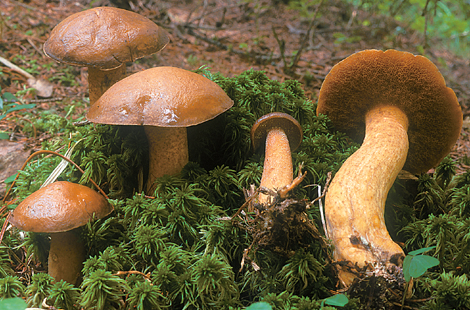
4	227
44	88
246	203
45	100
282	46
307	36
426	20
16	68
128	272
204	14
220	45
35	47
322	194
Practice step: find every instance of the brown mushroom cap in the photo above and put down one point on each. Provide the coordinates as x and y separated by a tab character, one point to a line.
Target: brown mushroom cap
104	37
284	121
59	207
412	83
161	96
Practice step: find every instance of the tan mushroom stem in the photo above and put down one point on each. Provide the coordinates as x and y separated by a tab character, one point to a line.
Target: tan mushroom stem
355	202
66	256
100	80
168	152
277	170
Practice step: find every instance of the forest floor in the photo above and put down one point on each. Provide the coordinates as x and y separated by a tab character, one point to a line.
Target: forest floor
226	36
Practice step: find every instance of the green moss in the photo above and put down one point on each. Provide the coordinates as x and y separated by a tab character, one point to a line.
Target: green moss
181	236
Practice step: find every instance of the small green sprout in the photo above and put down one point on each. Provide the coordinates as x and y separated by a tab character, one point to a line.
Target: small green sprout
9	103
338	300
416	264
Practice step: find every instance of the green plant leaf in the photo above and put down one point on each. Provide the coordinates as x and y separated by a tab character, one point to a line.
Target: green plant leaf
420	251
21	107
9	97
338	300
260	306
4	135
406	267
10	178
419	264
13	304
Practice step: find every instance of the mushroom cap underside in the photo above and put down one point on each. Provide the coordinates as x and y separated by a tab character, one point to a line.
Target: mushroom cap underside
287	123
414	84
104	37
59	207
161	96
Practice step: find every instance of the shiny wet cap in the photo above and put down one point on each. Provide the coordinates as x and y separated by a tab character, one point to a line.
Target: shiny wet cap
161	96
59	207
104	37
287	123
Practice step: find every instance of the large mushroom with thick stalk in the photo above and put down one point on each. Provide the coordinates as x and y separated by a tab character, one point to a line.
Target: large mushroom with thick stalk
61	209
280	134
165	100
399	107
104	39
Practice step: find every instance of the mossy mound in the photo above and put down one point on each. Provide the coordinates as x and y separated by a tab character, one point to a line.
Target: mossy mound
174	249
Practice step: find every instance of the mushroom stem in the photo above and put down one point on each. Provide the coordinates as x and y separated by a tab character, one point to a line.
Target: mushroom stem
100	80
168	152
355	202
66	256
277	170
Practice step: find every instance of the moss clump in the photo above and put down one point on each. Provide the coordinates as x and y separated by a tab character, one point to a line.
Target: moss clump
184	253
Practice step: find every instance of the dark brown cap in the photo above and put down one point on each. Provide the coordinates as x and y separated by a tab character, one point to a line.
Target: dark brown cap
104	37
287	123
161	96
58	207
412	83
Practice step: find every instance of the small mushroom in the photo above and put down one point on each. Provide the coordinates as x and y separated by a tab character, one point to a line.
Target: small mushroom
281	134
398	105
165	100
60	209
104	39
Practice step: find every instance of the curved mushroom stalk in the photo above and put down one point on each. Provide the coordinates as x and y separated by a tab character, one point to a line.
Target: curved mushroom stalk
412	120
355	202
277	170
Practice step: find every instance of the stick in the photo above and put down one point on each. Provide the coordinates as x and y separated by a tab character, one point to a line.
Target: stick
16	68
297	55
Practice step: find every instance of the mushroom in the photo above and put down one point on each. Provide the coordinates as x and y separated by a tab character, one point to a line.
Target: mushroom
399	106
104	39
281	134
165	100
60	209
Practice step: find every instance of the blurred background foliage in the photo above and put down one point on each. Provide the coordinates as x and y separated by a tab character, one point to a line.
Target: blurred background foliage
447	21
